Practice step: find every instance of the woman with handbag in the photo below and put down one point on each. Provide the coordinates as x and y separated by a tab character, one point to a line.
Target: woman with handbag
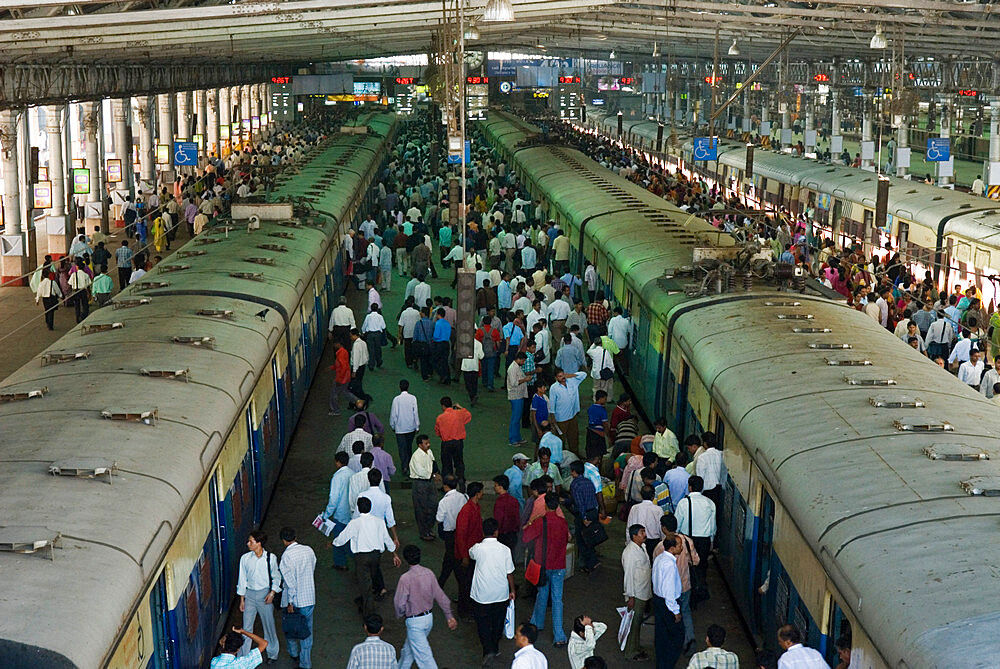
257	584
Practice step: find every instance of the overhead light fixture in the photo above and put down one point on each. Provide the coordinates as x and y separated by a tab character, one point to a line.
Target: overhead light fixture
878	39
612	55
734	50
472	32
498	11
656	50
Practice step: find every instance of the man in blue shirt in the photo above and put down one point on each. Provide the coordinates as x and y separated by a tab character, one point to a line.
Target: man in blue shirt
569	358
539	408
441	345
515	473
564	396
512	335
504	293
423	337
338	508
585	501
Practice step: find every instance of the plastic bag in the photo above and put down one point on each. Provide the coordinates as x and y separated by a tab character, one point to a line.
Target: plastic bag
508	621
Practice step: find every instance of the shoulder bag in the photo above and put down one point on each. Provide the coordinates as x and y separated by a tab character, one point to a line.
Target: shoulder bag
276	602
606	373
535	573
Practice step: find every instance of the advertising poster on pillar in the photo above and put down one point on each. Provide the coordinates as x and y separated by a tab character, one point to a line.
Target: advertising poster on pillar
162	154
114	171
42	192
81	181
43	174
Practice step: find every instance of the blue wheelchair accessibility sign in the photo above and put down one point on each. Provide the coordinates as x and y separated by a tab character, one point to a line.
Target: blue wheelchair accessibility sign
185	153
705	148
938	149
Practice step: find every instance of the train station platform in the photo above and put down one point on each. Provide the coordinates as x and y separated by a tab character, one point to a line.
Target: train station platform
303	488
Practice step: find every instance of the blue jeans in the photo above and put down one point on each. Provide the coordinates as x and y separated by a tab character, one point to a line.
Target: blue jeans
514	434
553	587
301	648
489	372
416	647
685	601
340	553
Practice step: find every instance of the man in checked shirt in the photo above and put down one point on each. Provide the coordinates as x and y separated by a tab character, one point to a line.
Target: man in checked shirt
298	563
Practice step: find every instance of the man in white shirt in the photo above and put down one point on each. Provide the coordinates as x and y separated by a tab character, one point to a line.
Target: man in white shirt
647	513
940	335
620	329
447	514
404	420
883	307
971	371
492	587
638	589
358	482
297	565
408	319
259	580
368	537
710	468
696	519
669	637
470	371
422	471
600	360
527	656
359	362
341	323
421	293
797	656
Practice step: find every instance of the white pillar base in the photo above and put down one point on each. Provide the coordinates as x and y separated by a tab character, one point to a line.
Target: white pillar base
14	261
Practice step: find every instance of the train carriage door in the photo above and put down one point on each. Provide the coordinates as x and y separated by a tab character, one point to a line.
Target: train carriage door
869	233
163	650
680	408
839	628
762	572
835	224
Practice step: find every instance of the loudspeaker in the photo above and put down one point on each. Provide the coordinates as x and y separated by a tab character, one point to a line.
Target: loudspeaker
465	306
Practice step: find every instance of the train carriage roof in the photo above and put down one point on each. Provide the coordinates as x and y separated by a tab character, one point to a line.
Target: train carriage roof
874	509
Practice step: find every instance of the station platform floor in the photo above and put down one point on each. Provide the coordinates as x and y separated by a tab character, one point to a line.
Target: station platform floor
303	488
23	334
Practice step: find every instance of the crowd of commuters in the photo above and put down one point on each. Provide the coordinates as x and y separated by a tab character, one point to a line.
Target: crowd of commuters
552	341
151	222
953	326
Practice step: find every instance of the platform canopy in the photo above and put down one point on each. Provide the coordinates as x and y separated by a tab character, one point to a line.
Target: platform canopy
309	31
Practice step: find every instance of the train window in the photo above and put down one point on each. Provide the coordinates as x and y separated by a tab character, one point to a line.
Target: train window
982	258
902	237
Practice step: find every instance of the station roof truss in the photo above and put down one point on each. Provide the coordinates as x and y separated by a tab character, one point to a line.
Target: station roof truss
281	34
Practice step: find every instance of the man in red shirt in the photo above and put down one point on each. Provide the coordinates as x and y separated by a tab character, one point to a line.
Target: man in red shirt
450	427
507	512
342	377
550	552
597	318
468	533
